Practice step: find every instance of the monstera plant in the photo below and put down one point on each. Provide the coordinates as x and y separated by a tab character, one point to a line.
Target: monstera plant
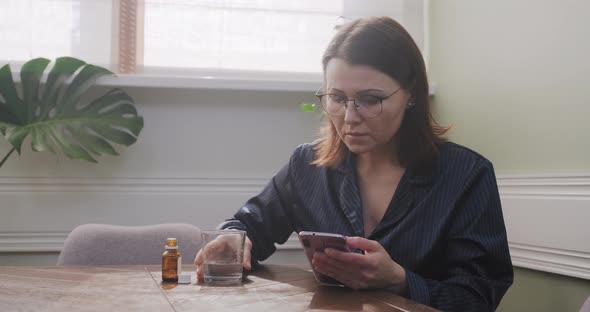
54	110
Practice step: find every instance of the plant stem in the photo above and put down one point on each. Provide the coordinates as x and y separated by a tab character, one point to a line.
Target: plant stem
6	157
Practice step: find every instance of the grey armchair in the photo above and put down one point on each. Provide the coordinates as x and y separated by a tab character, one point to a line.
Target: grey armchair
103	244
586	306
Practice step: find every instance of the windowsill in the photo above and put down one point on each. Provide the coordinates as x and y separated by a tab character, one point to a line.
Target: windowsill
154	77
217	80
222	82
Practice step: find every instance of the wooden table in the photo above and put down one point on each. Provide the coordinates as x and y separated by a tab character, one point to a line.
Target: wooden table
139	288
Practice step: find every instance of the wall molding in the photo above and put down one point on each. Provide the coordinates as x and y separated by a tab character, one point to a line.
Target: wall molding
32	242
554	239
521	196
198	185
562	186
551	260
570	186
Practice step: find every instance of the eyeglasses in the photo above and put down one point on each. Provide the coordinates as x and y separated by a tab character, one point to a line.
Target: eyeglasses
368	106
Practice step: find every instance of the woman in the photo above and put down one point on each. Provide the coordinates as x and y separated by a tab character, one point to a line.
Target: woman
426	212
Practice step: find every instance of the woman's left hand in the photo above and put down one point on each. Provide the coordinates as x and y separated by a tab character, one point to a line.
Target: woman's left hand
374	269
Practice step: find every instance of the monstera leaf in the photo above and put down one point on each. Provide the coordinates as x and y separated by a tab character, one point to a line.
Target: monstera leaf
57	115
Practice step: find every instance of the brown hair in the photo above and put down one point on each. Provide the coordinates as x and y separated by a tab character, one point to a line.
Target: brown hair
385	45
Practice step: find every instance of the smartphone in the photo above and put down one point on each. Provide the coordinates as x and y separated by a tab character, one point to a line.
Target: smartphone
317	242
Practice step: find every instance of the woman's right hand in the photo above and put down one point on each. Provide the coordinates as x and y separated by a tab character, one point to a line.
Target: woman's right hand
214	245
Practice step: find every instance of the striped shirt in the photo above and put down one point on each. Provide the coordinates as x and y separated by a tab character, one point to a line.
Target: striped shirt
445	228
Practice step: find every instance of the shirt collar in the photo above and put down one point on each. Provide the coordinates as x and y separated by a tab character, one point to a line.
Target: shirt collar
348	166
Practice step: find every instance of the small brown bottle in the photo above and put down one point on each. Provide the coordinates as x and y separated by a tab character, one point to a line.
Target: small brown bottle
171	262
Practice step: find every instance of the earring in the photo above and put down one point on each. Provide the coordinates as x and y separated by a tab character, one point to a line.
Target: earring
411	104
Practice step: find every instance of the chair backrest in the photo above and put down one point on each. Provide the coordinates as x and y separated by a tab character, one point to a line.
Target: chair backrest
104	244
586	306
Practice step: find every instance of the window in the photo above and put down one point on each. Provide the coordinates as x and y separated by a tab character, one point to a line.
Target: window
52	28
180	35
237	34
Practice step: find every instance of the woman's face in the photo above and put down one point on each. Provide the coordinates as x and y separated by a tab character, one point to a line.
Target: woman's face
359	133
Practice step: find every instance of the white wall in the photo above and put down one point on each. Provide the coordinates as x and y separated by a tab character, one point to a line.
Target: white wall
202	153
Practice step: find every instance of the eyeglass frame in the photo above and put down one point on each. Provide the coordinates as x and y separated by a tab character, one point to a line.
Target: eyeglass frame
354	101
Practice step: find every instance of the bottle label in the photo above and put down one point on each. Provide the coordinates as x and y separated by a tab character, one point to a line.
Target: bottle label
178	266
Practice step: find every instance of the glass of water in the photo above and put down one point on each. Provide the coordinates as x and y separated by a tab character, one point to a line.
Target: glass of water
223	254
